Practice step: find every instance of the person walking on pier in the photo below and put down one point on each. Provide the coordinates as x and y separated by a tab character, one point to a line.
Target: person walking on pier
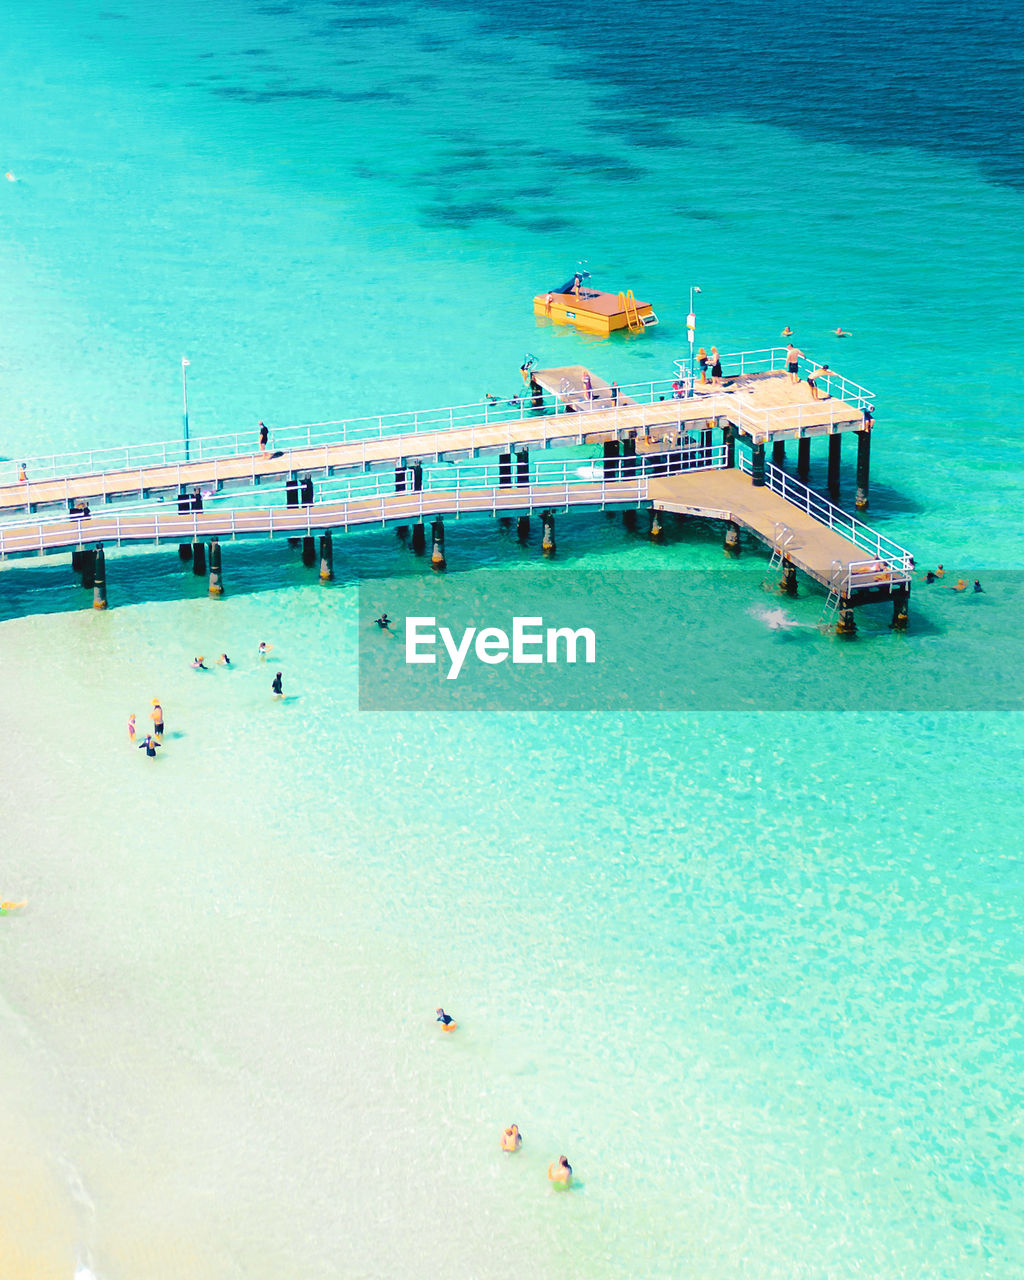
22	472
793	356
264	437
716	367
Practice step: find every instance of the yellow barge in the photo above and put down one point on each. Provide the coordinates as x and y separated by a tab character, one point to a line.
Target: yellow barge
593	311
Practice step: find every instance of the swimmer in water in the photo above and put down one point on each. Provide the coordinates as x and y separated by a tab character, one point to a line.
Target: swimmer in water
384	622
11	177
157	716
842	333
149	744
264	650
560	1172
511	1139
977	586
223	660
787	332
199	665
277	686
961	585
940	572
446	1020
131	727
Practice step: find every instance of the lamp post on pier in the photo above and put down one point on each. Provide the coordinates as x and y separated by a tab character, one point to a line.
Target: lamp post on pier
691	328
184	402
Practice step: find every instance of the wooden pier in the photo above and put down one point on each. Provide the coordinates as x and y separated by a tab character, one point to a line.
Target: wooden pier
660	451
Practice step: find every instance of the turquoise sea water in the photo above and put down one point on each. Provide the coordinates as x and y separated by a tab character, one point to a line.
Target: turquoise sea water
758	974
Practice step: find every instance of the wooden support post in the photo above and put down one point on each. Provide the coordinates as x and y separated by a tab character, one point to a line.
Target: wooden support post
326	557
88	568
291	491
548	541
628	457
99	579
845	624
835	454
419	538
778	453
402	533
309	551
523	467
504	470
900	608
629	519
656	530
788	583
184	552
732	538
863	468
705	446
437	560
417	477
523	528
729	439
400	479
611	459
803	458
307	491
216	587
757	466
537	394
199	559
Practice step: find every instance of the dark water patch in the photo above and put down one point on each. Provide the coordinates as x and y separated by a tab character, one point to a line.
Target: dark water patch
257	97
107	16
546	225
464	215
939	75
276	10
254	53
643	131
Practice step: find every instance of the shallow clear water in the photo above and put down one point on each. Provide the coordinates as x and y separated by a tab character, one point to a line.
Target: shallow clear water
758	974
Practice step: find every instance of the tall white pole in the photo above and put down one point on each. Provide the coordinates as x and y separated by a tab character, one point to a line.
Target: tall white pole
691	328
184	403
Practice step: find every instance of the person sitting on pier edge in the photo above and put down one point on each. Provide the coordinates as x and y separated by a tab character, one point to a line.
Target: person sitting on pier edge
446	1020
823	372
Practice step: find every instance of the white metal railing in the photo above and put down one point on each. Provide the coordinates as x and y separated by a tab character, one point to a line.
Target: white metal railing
306	436
309	435
373	498
885	557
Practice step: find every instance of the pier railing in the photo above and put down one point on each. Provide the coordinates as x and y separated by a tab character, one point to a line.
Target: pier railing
519	407
885	558
372	499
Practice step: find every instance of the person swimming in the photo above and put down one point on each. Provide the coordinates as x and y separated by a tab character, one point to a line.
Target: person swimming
384	622
511	1139
560	1171
961	585
223	660
199	665
277	686
842	333
264	649
446	1020
149	744
977	586
787	332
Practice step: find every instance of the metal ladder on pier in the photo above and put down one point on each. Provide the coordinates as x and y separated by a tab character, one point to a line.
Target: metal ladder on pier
831	610
780	549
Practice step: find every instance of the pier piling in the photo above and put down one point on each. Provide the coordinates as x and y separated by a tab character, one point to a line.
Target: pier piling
87	568
803	458
788	583
184	552
523	528
419	538
757	466
99	580
863	468
504	470
523	467
732	538
900	608
656	529
778	453
216	587
199	559
400	476
629	519
548	541
835	455
845	624
437	560
309	551
326	557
